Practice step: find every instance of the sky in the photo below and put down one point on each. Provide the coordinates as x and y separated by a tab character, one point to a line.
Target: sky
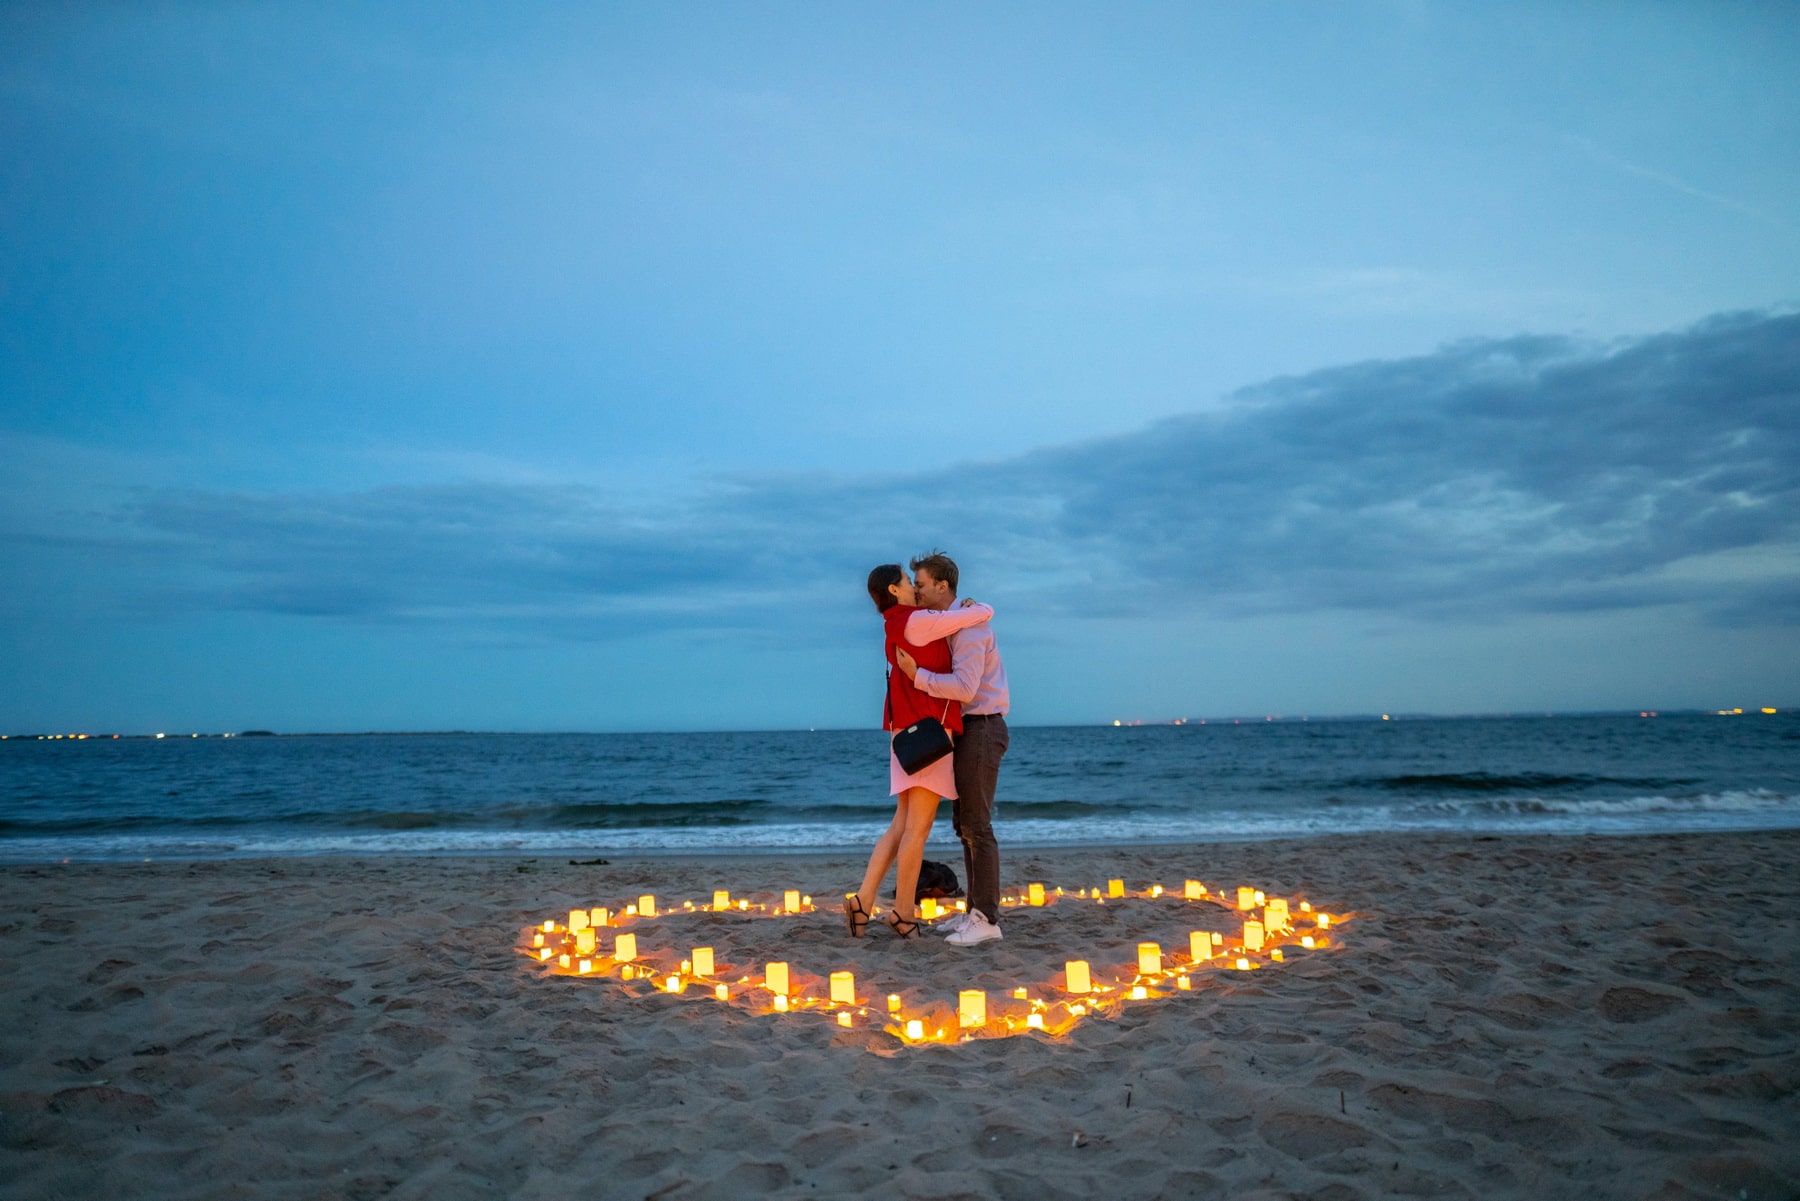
567	367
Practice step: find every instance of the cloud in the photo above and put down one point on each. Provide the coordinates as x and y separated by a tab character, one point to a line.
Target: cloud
1532	474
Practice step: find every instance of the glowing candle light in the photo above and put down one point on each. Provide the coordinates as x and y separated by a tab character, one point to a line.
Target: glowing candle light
1306	940
1275	914
1259	896
627	972
1149	958
791	900
1322	920
1253	936
915	1029
844	1018
1243	965
723	992
597	916
893	1002
584	940
1020	994
1305	906
1115	888
1076	1011
630	911
1139	992
1193	890
1218	939
1199	946
1075	972
585	966
775	978
928	909
1184	983
1034	1021
549	927
971	1007
703	961
537	940
646	906
565	961
721	899
843	988
1034	894
1246	898
1276	954
781	1003
806	902
544	954
1156	890
625	948
674	984
578	920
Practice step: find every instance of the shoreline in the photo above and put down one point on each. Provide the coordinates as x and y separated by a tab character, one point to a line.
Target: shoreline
1505	1016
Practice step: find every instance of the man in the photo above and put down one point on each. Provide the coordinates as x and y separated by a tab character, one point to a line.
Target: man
977	680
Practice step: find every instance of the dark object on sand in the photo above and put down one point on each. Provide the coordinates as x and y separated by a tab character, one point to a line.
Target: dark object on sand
936	880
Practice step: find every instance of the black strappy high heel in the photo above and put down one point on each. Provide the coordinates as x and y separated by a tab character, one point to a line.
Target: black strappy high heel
855	916
895	922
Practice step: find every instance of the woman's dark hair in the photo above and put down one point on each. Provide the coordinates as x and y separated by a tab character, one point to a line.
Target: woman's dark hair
879	581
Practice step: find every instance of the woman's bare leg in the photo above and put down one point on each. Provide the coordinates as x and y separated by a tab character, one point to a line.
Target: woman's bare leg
882	857
918	809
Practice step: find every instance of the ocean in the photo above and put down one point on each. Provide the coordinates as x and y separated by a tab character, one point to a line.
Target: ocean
594	794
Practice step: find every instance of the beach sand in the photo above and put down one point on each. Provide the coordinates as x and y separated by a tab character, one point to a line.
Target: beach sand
1504	1017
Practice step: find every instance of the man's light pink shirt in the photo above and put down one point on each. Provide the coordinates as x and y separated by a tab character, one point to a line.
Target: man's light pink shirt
976	677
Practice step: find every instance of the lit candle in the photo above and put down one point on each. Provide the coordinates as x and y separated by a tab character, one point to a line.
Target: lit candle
791	899
844	1018
1139	992
893	1002
1305	906
544	954
971	1007
1259	896
1253	936
1276	954
721	899
1076	1011
1322	920
843	988
1199	946
1243	965
1156	890
674	984
1193	890
722	992
1115	888
578	919
915	1029
703	961
775	978
584	940
1218	939
1246	898
928	909
537	940
625	948
1183	983
1075	971
1275	914
565	961
1020	994
1149	958
626	972
1034	1021
1306	940
1034	893
781	1003
585	966
646	906
549	926
597	916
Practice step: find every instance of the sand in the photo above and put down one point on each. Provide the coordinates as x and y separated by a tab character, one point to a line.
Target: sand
1505	1017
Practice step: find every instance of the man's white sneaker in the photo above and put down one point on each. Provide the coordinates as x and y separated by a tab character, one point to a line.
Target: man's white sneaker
975	929
952	924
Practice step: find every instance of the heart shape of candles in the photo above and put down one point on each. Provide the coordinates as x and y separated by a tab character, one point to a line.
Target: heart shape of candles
603	943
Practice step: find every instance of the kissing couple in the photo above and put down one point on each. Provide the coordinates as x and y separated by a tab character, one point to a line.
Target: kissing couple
944	667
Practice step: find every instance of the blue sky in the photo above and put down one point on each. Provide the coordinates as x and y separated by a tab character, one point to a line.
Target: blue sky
568	367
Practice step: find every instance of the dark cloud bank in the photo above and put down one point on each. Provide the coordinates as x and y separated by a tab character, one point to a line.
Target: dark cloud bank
1530	474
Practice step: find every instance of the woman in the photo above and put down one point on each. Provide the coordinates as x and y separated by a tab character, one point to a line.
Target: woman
924	632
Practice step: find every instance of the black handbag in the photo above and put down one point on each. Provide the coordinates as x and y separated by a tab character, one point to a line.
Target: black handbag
923	743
